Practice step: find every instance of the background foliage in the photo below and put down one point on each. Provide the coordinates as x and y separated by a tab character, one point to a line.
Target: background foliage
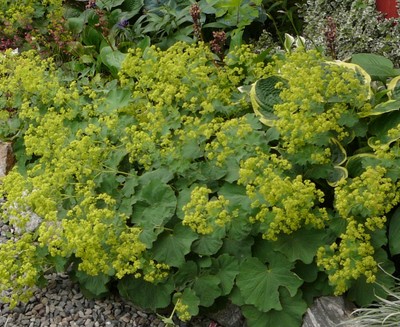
371	34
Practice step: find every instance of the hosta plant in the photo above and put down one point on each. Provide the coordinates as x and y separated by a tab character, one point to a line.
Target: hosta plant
182	192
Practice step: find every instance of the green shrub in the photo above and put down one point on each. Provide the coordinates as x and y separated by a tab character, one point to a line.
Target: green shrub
183	191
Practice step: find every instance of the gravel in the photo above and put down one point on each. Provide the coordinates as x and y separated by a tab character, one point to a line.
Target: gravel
61	303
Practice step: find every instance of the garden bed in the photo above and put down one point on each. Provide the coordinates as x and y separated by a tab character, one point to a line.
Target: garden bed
163	159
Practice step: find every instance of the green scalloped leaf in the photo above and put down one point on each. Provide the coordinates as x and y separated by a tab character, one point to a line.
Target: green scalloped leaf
226	268
300	245
92	286
58	262
159	202
291	315
156	205
186	274
161	175
209	244
189	298
171	247
240	227
130	183
238	248
259	284
117	98
307	272
145	294
207	289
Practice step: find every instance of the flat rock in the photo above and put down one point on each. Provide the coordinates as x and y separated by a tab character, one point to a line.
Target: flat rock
230	316
328	311
6	158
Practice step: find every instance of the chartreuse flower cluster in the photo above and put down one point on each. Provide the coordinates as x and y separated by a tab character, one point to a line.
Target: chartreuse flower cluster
319	102
284	204
25	76
182	99
20	268
182	311
204	215
228	141
100	237
29	86
69	138
363	202
386	147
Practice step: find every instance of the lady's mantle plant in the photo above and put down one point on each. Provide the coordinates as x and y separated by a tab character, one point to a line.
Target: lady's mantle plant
169	184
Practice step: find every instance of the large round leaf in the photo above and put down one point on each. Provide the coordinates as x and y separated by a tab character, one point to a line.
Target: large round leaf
259	284
172	246
291	314
157	203
145	294
156	206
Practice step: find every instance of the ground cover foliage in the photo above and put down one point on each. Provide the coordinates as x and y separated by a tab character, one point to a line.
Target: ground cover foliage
188	173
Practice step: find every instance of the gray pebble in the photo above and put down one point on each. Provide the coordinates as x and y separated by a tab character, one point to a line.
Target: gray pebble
142	314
